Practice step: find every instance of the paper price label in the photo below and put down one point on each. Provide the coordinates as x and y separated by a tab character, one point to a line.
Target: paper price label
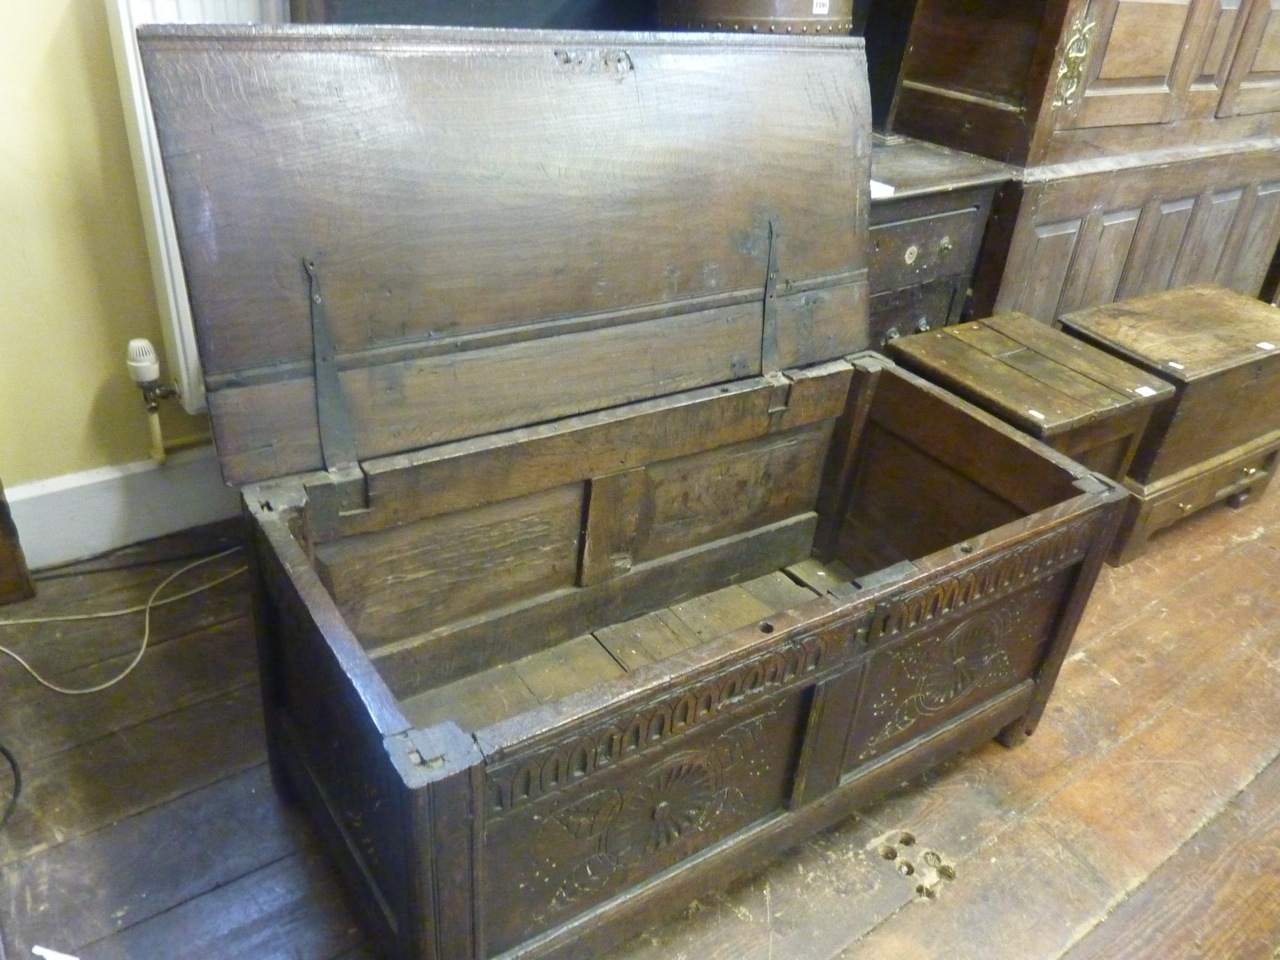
1144	391
1264	345
821	7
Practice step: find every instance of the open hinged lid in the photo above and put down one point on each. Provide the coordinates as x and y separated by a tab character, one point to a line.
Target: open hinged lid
398	237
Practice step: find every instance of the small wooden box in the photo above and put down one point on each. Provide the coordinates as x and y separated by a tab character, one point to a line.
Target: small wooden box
1076	398
593	562
1217	438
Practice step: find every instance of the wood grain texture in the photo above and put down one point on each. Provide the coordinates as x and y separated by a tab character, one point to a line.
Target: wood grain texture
1020	888
1139	653
1203	901
1081	400
76	894
1082	240
15	579
1148	75
471	473
412	578
1222	352
480	642
459	302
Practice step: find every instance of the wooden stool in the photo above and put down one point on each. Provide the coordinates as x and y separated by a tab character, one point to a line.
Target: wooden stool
1080	401
1218	438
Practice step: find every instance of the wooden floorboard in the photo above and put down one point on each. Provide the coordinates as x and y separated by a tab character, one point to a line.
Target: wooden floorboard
1141	821
1215	898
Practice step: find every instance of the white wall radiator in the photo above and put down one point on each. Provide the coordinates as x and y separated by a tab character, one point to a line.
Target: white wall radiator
166	267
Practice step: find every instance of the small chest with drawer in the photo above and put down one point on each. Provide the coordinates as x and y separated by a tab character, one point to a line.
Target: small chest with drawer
1217	438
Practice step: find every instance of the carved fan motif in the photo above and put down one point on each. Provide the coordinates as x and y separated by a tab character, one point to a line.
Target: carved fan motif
672	801
675	800
939	673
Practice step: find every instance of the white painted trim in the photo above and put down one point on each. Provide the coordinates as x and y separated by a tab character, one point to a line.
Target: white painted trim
82	514
123	18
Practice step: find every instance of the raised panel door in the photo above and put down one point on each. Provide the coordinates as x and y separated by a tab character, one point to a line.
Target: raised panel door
1136	65
1100	261
1244	267
1039	266
1209	238
1215	34
1253	85
1085	241
1157	246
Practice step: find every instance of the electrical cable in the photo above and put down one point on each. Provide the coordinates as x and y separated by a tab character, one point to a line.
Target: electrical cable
145	609
17	787
131	558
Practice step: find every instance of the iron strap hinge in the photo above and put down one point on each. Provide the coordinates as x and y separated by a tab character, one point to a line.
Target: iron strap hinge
769	338
337	443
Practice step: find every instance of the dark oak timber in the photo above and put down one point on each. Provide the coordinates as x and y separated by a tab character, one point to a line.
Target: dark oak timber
15	579
1051	857
595	559
1218	436
1081	401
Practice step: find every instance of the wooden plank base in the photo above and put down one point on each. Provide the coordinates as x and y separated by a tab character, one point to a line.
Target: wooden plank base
579	664
1139	821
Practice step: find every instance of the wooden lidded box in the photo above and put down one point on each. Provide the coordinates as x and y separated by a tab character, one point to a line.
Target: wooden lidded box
1218	437
1080	400
592	563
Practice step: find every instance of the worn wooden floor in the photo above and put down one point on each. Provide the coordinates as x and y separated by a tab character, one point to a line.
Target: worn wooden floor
1142	820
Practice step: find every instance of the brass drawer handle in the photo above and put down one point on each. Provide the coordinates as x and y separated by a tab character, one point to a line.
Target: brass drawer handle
1186	507
1248	472
945	246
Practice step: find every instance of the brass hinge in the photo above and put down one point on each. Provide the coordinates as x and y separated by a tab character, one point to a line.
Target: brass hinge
1075	55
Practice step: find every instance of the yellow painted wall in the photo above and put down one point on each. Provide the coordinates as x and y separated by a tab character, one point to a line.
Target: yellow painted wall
75	284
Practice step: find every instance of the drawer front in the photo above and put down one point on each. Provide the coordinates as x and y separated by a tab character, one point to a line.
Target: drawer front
909	252
1218	484
916	309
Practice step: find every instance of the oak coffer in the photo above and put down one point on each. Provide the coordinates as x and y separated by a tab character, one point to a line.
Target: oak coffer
593	561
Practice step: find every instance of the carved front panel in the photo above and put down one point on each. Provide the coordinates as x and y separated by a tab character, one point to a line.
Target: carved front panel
923	679
573	848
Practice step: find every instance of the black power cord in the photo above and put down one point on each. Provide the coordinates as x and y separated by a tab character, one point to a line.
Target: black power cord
17	789
8	811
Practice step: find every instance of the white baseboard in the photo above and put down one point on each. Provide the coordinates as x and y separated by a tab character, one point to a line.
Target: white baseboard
82	514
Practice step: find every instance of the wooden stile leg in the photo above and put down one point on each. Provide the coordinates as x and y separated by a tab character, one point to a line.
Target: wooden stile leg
15	580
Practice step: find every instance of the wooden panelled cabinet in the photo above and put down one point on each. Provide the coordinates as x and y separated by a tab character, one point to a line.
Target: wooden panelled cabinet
593	560
925	237
1086	240
1050	81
